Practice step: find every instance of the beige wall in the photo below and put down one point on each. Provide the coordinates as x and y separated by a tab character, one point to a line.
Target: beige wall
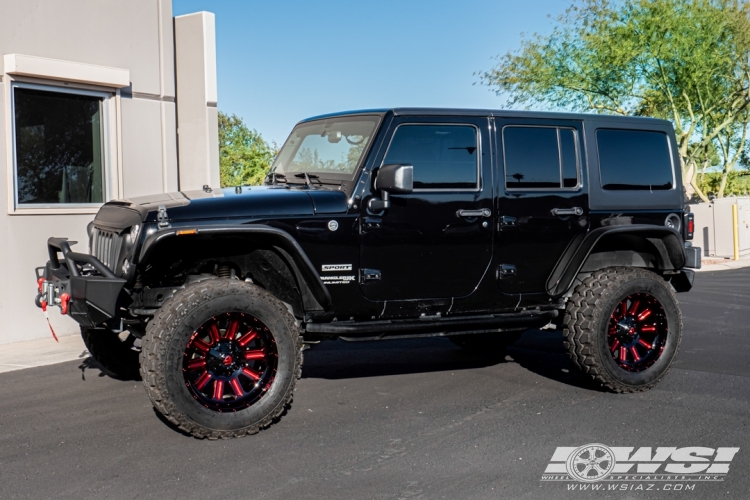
714	230
197	127
135	35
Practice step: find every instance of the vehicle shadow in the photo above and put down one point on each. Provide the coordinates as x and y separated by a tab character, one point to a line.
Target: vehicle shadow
88	363
540	352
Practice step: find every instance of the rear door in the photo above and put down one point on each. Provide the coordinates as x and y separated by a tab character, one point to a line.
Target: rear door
543	203
435	242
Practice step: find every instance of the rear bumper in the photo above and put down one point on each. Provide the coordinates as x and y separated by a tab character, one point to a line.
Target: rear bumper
692	256
83	287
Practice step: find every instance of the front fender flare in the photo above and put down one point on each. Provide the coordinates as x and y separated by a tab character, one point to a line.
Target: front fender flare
304	268
667	242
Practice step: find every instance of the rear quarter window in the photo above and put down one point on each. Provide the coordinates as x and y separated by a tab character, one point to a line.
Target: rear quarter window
634	160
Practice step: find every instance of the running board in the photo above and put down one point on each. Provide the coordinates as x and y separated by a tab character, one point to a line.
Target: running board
375	330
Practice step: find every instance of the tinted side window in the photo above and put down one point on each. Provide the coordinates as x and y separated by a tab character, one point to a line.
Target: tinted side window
634	160
540	158
443	156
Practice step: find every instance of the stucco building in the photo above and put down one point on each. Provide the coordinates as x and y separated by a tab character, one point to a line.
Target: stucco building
98	100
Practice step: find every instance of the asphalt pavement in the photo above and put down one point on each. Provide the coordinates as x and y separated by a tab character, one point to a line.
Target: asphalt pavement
412	419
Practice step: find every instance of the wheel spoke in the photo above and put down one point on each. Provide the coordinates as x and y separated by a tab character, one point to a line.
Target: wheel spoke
645	314
245	339
634	351
644	343
615	345
201	346
236	387
251	374
623	354
213	331
234	325
202	380
219	389
648	328
634	307
196	363
255	355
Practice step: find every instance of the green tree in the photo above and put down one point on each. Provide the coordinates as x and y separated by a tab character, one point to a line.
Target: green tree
684	60
244	156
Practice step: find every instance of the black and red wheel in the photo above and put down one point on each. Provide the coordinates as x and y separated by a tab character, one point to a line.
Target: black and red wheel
623	328
230	362
638	330
221	359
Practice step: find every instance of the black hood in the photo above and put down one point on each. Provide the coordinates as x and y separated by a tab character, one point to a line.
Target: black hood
251	202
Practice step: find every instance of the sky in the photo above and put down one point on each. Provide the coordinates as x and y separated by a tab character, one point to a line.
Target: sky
281	61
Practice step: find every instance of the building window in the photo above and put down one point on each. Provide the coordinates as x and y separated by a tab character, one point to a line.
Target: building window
58	146
443	156
634	160
540	157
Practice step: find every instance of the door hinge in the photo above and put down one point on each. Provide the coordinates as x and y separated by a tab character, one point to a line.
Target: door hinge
367	275
505	271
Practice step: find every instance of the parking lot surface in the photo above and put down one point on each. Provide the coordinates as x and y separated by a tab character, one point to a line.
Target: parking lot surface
397	419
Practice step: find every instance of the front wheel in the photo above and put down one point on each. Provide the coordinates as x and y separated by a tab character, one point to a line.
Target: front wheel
623	328
221	359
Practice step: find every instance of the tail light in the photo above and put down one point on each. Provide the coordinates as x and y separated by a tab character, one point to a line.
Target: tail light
689	226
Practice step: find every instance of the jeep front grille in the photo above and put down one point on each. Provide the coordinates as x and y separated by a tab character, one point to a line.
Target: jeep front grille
106	246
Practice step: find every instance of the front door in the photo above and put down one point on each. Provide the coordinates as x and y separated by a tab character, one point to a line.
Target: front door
544	203
435	242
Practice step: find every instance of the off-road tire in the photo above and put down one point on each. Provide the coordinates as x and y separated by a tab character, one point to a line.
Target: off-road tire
117	357
586	323
167	336
494	344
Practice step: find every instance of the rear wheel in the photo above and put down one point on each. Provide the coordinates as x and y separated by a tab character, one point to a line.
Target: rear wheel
490	343
117	353
221	359
623	328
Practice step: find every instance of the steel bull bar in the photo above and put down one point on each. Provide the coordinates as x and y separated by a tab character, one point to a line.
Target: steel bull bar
72	285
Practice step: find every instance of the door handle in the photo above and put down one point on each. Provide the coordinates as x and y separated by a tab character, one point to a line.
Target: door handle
567	211
485	212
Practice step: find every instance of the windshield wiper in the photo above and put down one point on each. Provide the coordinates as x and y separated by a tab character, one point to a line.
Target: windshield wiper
274	177
307	177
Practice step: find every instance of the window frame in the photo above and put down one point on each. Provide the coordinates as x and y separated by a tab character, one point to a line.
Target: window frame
670	153
577	145
478	133
105	138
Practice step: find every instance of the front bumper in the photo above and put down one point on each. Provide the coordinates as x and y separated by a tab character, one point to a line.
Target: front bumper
81	285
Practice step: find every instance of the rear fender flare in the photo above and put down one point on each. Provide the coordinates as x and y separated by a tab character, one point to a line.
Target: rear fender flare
301	266
669	252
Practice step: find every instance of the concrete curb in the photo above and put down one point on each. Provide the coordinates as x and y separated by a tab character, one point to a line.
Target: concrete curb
725	266
41	352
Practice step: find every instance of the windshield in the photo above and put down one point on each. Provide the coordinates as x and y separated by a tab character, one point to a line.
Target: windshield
329	148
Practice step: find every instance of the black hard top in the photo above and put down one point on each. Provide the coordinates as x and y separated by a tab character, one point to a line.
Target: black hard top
492	112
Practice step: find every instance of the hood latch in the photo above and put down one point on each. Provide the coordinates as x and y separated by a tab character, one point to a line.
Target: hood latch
162	217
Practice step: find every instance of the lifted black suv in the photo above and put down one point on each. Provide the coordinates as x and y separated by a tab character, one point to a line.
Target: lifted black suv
475	225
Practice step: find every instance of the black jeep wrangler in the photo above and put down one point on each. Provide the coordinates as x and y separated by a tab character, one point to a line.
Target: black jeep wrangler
475	225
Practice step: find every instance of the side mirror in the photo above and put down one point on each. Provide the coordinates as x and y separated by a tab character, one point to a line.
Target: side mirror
398	179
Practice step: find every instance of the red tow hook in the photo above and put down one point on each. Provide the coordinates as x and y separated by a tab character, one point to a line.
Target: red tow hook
64	300
40	284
